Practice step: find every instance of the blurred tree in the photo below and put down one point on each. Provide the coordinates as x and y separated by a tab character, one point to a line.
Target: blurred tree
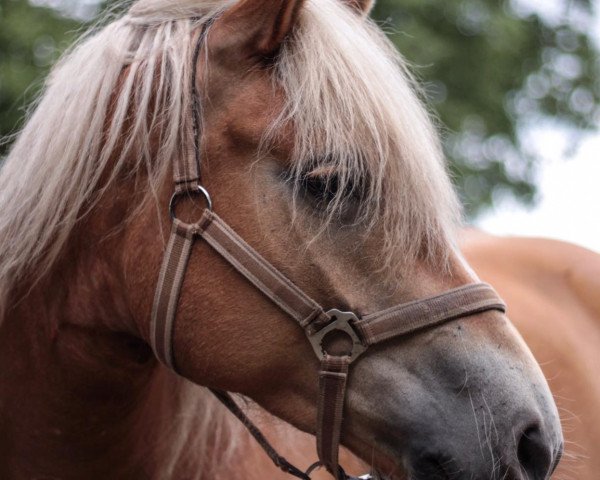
489	68
31	39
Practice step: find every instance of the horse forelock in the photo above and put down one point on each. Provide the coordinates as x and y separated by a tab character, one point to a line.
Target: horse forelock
357	110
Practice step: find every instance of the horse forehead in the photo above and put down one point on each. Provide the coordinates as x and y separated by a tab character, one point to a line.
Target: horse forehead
247	112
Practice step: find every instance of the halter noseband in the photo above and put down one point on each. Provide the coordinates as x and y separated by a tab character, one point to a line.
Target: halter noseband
322	327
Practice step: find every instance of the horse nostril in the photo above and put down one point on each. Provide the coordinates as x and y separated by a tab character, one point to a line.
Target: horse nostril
534	454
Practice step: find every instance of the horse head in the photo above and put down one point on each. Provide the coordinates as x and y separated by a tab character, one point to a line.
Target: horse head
316	149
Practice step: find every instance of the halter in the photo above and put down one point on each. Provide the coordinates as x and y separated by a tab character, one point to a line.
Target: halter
325	329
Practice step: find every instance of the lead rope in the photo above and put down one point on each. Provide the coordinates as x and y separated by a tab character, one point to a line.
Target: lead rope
397	321
279	461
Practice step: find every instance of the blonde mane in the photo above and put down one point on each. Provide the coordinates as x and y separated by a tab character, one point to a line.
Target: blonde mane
350	97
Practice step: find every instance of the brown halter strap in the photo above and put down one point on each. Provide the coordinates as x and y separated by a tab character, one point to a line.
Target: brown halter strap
363	332
320	326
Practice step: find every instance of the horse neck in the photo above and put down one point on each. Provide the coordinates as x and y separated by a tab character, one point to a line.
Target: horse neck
81	394
76	382
65	373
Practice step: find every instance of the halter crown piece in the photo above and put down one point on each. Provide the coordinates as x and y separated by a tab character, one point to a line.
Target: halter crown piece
321	326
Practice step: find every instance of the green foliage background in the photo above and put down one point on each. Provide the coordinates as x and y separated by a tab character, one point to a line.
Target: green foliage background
489	68
30	41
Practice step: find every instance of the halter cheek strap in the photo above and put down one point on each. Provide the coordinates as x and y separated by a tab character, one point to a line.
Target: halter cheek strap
323	328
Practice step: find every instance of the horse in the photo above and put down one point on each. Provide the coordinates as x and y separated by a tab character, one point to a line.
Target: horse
551	291
296	135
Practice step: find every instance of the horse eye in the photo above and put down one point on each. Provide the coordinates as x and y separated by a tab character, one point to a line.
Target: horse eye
324	189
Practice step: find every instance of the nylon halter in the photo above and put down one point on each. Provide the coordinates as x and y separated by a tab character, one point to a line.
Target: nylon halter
322	327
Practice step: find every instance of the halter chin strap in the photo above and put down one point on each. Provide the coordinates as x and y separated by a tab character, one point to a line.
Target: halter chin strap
338	338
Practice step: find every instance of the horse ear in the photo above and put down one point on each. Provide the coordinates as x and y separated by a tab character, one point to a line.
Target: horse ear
257	27
362	7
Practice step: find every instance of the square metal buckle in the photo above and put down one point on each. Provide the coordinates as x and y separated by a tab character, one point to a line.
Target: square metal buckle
342	322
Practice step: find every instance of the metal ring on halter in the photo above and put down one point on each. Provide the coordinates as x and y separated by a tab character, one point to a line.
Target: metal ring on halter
197	190
313	467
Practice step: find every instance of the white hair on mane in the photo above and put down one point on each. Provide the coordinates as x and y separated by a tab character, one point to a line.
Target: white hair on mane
349	96
51	177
